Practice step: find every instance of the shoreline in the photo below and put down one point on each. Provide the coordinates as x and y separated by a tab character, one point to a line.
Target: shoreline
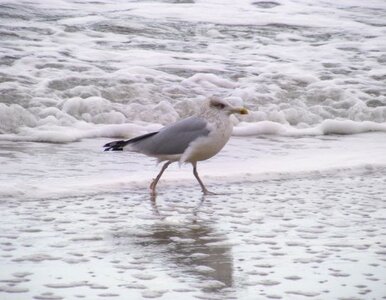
38	170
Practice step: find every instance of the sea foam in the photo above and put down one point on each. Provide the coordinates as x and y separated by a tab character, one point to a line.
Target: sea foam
70	68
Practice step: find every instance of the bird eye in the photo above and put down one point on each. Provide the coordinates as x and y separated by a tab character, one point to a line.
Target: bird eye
218	105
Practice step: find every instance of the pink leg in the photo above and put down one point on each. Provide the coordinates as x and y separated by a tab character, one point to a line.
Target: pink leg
155	181
203	188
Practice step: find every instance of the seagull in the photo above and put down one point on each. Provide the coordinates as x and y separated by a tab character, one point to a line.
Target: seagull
189	140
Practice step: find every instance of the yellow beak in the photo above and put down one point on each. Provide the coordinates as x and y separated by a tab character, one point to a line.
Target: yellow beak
241	111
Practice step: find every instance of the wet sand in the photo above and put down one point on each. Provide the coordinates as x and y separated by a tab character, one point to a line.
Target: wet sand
320	236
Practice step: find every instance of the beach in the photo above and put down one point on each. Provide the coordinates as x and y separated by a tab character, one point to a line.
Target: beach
285	234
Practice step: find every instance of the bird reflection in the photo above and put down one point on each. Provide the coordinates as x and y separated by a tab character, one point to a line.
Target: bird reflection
194	248
196	252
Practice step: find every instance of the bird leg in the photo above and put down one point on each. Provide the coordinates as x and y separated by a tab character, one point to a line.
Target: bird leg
155	180
204	189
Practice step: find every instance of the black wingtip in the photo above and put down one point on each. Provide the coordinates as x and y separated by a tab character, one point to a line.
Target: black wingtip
118	145
115	146
113	149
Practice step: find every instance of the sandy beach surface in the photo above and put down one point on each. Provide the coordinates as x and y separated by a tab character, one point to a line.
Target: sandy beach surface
79	224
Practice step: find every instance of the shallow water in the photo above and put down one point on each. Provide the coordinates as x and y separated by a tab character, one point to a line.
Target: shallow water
294	218
320	237
41	170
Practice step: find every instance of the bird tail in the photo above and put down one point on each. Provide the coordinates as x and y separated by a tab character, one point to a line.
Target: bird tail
116	145
119	145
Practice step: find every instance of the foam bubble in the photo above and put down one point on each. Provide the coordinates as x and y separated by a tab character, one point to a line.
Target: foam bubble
14	116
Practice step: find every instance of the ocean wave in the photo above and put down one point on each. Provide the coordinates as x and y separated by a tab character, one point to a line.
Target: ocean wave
73	70
84	130
327	127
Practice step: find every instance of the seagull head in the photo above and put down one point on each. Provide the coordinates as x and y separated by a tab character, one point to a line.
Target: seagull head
224	106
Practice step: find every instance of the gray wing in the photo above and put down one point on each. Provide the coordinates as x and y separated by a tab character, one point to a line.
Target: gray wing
174	138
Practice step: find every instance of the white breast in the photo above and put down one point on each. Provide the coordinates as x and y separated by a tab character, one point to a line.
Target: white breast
208	146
